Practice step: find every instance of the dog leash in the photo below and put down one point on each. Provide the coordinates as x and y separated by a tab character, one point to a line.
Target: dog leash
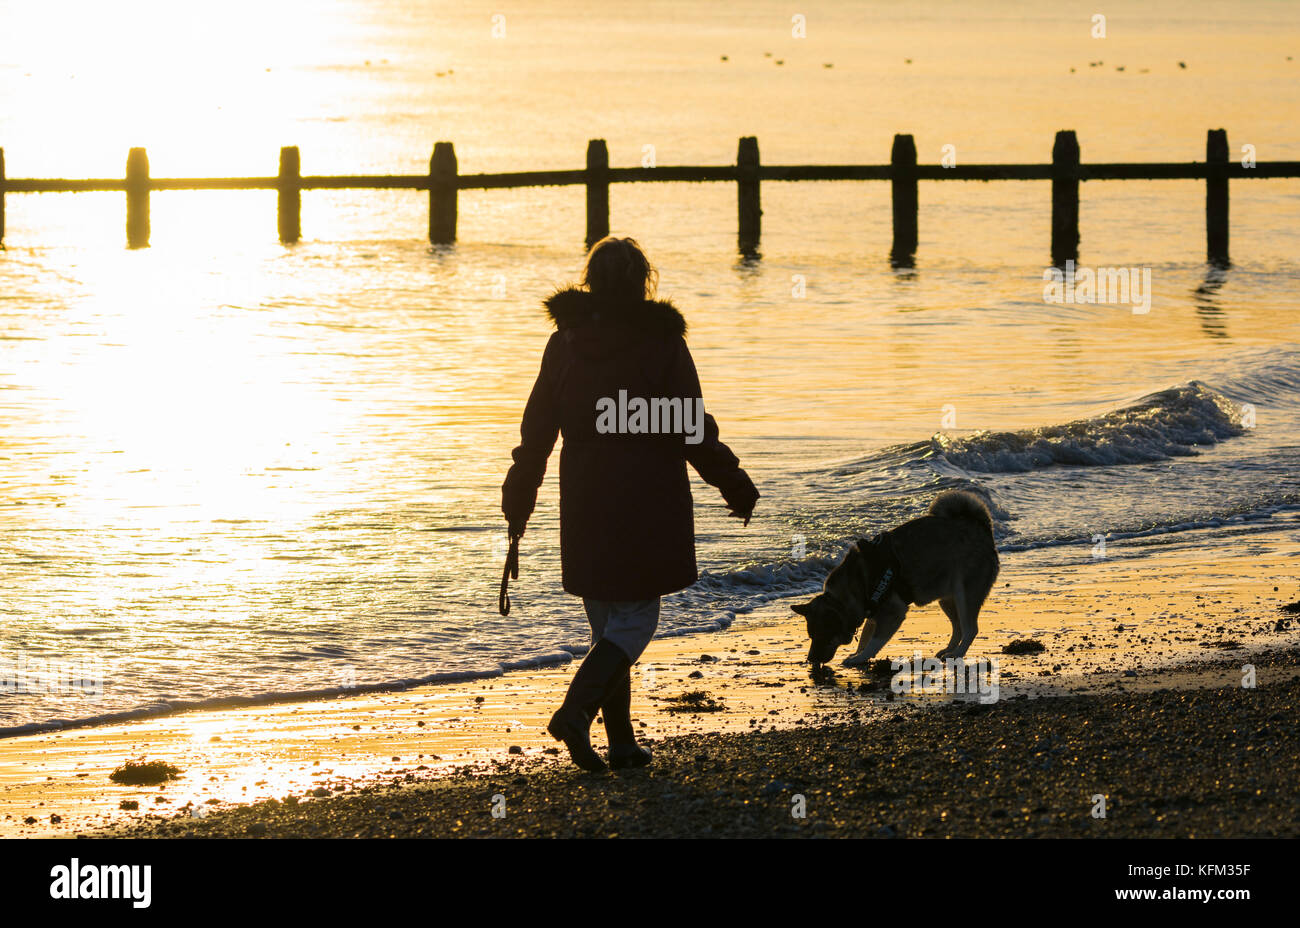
511	572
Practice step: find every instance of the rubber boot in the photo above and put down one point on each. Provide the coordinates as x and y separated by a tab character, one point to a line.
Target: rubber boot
604	664
616	712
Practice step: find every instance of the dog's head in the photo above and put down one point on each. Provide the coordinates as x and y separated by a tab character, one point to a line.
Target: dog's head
829	626
850	595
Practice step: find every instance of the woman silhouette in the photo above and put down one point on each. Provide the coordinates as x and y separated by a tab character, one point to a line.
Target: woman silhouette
618	381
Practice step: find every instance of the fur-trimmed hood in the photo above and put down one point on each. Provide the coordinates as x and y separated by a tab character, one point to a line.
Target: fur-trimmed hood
571	308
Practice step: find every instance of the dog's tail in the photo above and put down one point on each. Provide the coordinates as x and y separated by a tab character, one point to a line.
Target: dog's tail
959	504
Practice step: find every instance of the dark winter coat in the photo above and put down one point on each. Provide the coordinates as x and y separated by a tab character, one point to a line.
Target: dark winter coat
627	527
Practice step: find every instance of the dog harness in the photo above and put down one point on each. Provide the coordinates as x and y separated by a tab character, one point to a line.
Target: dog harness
891	578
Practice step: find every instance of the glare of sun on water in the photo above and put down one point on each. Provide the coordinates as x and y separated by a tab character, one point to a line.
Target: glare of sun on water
177	404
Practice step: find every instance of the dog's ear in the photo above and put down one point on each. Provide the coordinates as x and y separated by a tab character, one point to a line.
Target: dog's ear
802	608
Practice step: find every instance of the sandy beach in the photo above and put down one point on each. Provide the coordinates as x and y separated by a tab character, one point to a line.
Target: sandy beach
1143	655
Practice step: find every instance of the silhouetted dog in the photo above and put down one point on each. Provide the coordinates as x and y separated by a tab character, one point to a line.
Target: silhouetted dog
946	555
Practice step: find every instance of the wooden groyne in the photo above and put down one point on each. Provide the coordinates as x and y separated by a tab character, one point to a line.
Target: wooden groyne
444	182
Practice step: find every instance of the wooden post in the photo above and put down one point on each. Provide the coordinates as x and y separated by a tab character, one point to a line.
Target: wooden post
902	162
1216	197
137	198
747	195
1065	198
2	199
443	191
597	191
290	187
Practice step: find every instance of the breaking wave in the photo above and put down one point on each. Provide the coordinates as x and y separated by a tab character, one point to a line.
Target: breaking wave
1171	423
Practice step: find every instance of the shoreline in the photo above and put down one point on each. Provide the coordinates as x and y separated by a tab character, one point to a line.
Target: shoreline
558	655
1129	625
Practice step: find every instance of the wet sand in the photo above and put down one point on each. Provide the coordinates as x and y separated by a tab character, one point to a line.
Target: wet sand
1145	655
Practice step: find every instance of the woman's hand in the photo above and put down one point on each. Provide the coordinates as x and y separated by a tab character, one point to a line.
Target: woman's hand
741	515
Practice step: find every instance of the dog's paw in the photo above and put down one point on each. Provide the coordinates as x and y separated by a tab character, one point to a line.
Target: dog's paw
856	660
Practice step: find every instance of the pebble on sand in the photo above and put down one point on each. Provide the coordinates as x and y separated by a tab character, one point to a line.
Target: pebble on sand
1023	646
144	773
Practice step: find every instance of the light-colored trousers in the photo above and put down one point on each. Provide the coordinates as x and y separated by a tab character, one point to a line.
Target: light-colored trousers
629	624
